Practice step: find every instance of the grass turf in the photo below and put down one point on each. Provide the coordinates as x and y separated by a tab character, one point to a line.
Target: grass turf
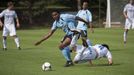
28	61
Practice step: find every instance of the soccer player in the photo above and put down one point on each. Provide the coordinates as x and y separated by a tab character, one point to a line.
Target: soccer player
65	22
91	53
82	27
9	25
129	15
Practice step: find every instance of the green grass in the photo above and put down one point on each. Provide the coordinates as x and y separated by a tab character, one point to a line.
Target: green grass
28	61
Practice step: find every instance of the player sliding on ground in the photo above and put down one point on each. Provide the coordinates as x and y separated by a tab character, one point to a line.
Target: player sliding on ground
65	22
91	53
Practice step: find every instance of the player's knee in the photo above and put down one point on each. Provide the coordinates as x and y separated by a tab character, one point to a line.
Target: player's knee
61	47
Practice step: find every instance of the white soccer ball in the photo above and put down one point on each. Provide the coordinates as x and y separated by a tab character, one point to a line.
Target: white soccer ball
46	66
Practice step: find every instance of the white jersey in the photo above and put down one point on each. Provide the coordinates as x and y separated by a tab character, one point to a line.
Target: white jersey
91	53
9	24
9	16
129	8
87	16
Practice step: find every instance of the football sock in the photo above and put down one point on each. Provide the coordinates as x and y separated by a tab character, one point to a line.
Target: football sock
17	41
74	40
125	36
66	53
4	43
89	42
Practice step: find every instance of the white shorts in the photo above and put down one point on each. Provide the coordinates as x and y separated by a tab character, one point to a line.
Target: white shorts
85	57
129	23
9	30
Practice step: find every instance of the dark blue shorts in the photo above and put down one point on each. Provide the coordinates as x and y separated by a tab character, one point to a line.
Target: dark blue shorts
67	36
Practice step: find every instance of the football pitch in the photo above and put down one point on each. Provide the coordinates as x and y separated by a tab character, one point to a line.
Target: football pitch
28	61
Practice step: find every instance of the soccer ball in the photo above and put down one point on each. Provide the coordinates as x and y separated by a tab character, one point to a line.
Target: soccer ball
46	66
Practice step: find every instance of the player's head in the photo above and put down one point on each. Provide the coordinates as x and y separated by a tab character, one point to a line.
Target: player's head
85	5
10	5
105	45
55	14
131	2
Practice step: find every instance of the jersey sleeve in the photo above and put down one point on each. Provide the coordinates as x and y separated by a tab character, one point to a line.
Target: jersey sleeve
125	8
2	14
89	16
54	27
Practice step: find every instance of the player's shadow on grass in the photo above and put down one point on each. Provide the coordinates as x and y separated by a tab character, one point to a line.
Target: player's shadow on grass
30	48
102	65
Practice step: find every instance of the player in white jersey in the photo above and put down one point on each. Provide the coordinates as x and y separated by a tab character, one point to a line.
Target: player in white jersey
92	53
9	25
129	15
66	22
82	27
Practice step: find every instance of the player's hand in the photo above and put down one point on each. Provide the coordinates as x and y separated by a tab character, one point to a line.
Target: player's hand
37	43
18	25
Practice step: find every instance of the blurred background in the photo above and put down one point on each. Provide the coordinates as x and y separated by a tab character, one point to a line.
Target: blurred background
37	13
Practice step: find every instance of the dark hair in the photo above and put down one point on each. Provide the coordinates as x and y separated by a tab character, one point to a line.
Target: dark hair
56	11
105	45
10	3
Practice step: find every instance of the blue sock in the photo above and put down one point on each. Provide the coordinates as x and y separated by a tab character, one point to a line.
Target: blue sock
66	53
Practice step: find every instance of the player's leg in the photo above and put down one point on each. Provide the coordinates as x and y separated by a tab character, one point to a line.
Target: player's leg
4	43
64	47
74	40
127	27
84	38
5	33
16	38
125	35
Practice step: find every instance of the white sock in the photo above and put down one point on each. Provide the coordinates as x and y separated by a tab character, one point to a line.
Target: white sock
89	42
4	43
125	36
74	40
17	41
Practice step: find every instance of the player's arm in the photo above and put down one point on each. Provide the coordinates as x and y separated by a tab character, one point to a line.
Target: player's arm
91	27
49	34
1	24
1	15
17	20
17	23
125	14
90	21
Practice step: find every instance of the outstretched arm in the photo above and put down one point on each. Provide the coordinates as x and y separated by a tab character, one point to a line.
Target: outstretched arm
50	33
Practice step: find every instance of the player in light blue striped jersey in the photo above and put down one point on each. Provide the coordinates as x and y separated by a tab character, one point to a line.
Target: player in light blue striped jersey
66	22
